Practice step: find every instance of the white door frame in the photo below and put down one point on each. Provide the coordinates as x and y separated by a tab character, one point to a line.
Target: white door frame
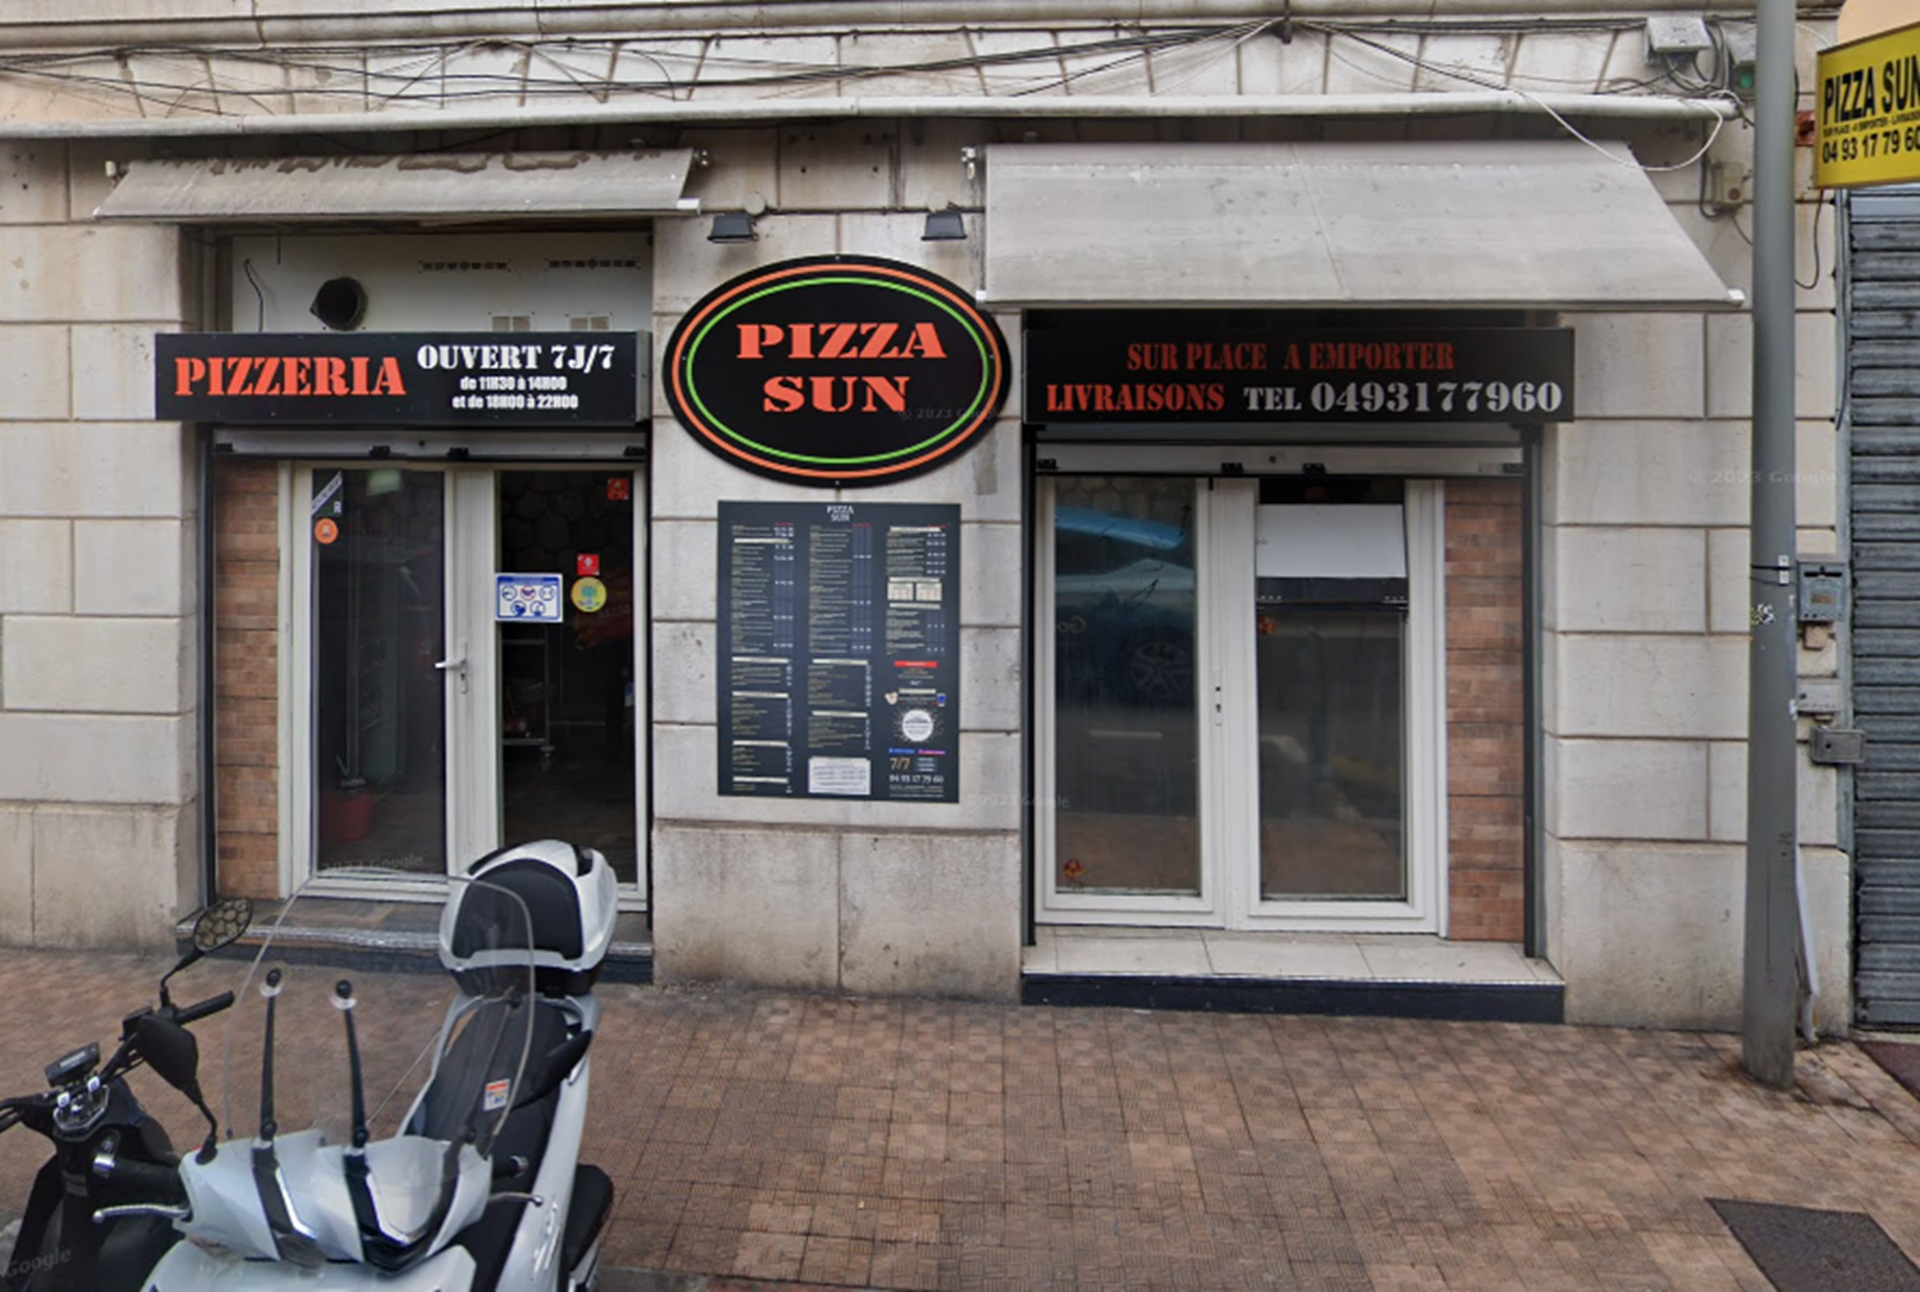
1424	796
299	826
474	807
1225	511
1054	905
472	735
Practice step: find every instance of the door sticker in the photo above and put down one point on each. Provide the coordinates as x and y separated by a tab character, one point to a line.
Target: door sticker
532	598
589	595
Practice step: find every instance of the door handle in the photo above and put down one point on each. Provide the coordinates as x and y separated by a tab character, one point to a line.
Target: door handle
456	665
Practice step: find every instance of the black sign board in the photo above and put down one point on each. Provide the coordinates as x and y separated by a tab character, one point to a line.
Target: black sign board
837	370
398	378
1183	375
839	669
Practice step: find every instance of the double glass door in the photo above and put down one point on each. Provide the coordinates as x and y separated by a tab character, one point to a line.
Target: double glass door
431	731
1240	725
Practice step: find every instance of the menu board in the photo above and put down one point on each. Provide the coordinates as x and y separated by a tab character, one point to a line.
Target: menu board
839	640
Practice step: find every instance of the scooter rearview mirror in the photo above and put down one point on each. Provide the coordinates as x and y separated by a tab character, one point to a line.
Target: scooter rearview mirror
217	925
222	923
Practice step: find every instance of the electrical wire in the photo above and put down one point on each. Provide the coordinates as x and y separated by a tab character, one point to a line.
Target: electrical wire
407	75
408	68
1819	213
1719	122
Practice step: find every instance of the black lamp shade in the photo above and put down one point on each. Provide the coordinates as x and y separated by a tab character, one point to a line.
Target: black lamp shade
944	226
340	304
732	226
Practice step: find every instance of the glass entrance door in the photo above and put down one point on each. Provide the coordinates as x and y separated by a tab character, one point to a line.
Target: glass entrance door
432	732
1329	674
379	631
567	690
1240	715
1126	716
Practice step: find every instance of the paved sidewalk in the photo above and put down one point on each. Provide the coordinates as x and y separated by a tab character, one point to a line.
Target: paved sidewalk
910	1144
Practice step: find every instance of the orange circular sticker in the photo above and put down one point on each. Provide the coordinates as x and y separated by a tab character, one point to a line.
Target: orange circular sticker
325	530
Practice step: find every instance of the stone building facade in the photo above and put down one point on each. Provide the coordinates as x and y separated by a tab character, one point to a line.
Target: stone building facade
1570	617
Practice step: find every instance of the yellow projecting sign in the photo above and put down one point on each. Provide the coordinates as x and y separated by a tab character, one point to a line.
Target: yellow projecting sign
1869	111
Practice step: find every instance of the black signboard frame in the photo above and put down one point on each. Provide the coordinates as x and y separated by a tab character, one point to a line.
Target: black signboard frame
1104	374
837	371
839	651
414	379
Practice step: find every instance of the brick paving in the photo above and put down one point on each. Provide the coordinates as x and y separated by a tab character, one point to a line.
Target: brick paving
912	1144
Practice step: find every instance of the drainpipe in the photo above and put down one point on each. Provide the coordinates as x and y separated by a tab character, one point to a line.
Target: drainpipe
1771	977
203	630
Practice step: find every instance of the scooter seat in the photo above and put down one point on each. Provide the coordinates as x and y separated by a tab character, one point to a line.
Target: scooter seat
447	1109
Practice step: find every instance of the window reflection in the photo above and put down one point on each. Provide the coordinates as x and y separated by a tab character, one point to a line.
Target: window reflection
1331	685
1126	749
379	558
1330	628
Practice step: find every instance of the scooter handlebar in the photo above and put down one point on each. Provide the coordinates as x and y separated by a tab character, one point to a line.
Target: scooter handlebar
211	1005
13	1111
161	1183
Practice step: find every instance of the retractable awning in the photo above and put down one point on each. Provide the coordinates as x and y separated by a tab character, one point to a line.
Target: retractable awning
1509	224
412	186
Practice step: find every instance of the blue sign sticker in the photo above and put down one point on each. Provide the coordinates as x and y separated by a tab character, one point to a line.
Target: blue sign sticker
525	598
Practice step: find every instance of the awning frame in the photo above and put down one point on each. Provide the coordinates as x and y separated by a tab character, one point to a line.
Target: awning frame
399	187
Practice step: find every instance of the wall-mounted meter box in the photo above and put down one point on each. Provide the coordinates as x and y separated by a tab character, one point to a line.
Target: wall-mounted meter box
1823	591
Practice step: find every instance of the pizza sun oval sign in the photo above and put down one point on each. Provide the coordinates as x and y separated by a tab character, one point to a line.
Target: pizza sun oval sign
837	370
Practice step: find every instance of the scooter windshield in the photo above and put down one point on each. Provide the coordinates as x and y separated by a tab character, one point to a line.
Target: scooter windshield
363	1085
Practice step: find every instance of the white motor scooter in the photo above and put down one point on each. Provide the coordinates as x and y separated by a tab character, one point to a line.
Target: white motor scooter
478	1187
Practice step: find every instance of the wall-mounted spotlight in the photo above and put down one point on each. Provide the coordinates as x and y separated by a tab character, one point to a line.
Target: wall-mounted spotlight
945	226
944	222
340	304
732	226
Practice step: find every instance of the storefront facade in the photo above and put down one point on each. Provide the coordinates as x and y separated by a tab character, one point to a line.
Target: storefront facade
905	543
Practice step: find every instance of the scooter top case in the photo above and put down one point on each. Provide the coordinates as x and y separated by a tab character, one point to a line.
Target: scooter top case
570	897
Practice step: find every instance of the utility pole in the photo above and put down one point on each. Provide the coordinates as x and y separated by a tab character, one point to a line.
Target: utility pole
1772	982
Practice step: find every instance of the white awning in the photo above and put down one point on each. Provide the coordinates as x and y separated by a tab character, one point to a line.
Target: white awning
411	186
1509	224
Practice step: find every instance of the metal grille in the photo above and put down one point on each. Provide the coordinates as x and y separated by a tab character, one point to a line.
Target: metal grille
1883	376
1803	1250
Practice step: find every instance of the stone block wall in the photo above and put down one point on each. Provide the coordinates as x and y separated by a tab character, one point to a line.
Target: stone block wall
99	838
1645	659
865	897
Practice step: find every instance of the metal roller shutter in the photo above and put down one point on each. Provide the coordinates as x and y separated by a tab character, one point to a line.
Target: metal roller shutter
1883	375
